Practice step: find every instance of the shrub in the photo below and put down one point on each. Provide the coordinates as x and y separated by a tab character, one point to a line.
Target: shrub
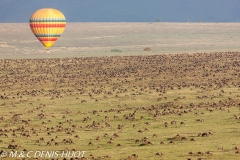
147	49
116	50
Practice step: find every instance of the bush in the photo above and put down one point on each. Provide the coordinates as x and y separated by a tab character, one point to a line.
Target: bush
147	49
116	50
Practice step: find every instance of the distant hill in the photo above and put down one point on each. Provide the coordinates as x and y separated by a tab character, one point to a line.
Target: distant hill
126	10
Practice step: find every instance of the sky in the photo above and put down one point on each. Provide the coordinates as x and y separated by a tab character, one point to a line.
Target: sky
125	10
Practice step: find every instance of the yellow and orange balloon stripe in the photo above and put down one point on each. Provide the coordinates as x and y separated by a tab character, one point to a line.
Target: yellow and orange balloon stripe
47	25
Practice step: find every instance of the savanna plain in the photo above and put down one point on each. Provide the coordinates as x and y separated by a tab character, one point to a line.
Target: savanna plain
123	91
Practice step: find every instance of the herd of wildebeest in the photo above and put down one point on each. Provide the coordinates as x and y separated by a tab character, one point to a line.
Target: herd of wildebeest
104	104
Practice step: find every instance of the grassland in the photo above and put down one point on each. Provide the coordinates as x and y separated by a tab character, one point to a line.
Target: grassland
98	39
170	106
98	91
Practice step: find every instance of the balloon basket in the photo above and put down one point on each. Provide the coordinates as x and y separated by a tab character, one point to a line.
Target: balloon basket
47	50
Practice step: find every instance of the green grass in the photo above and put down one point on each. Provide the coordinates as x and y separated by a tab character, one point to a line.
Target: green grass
123	86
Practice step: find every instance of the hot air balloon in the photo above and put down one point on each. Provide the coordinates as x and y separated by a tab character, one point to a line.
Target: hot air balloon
47	24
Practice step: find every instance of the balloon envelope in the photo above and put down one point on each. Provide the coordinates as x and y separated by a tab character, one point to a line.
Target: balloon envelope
47	25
